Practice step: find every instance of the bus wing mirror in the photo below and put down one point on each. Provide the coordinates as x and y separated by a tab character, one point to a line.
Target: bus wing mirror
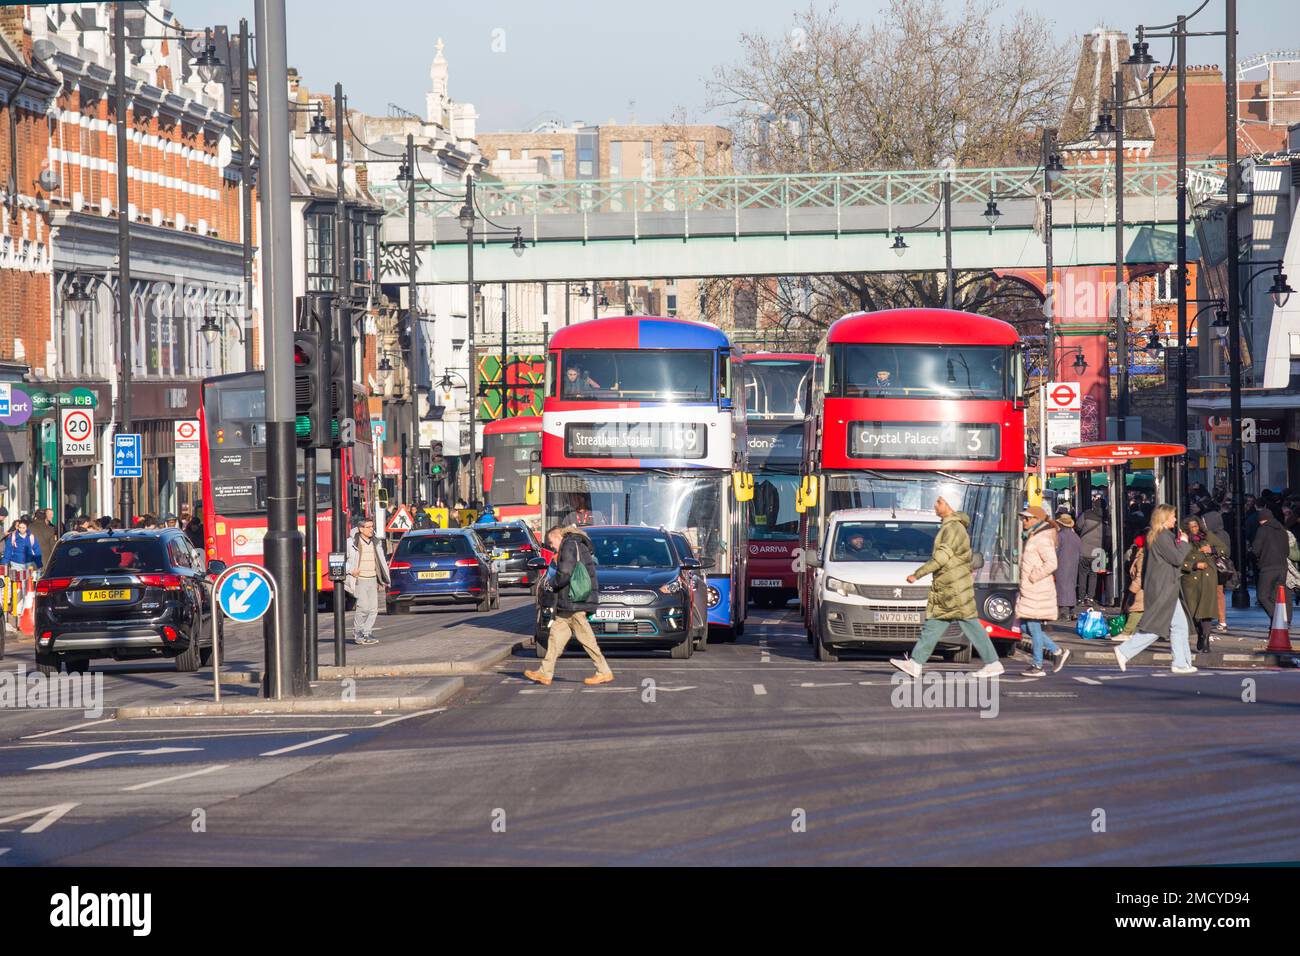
1018	399
744	485
216	567
807	495
812	559
533	490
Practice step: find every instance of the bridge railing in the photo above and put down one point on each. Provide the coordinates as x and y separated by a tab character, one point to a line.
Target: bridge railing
736	194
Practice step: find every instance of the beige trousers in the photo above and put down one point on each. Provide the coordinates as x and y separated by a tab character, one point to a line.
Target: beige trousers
568	625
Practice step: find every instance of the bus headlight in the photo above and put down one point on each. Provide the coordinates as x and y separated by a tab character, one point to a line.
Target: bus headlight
998	608
714	596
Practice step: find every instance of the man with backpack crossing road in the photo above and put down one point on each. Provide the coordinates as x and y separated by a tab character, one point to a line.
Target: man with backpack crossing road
573	582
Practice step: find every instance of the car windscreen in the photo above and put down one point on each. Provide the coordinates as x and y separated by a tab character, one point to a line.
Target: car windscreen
614	550
884	540
106	555
504	537
432	545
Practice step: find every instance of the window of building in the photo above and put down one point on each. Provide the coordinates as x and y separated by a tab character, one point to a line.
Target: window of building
615	160
503	154
1167	285
557	164
320	252
647	160
699	156
363	251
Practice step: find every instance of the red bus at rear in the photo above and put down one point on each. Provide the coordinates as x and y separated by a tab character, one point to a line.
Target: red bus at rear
512	454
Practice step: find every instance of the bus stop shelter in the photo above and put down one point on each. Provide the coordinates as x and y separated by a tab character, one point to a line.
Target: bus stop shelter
1113	457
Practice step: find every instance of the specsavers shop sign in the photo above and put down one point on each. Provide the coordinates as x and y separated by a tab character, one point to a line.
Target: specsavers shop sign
924	441
635	440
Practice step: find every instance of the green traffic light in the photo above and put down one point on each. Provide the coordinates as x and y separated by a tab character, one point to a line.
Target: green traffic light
302	426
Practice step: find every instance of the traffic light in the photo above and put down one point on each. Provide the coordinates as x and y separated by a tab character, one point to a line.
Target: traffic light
437	463
338	390
311	418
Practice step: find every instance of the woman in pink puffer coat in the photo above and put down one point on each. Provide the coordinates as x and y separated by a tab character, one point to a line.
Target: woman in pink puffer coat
1037	600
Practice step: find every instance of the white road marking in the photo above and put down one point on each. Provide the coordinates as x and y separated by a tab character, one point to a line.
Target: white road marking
179	776
419	713
303	745
547	690
609	690
669	690
64	730
52	815
759	690
87	758
847	683
1087	680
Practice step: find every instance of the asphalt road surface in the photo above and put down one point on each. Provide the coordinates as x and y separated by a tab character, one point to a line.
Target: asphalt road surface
751	753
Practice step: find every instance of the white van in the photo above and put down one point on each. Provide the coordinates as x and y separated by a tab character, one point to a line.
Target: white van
861	596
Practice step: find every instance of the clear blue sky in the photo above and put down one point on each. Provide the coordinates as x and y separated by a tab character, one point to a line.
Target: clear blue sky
579	59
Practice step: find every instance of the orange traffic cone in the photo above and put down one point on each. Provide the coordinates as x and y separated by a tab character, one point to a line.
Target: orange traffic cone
27	619
1279	635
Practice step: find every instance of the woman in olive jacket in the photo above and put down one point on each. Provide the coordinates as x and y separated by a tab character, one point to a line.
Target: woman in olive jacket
1163	613
1201	580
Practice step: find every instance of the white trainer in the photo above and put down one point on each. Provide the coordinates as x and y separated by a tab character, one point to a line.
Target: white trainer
990	670
1121	660
907	666
1184	670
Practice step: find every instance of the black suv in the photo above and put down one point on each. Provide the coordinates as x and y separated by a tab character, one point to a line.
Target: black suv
125	595
651	593
513	547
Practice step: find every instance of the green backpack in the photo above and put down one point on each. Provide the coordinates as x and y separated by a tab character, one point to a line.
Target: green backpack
579	583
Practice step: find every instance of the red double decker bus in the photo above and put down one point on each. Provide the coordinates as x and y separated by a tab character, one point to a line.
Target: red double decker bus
913	404
777	389
512	462
232	447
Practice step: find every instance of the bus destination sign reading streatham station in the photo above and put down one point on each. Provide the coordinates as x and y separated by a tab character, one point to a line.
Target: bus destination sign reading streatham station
634	440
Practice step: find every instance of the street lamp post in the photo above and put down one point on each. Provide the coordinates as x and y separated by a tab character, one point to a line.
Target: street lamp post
413	465
123	108
946	188
467	222
246	191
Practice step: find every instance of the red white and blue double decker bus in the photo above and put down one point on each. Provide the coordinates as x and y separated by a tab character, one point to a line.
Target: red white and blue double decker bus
640	427
910	405
777	393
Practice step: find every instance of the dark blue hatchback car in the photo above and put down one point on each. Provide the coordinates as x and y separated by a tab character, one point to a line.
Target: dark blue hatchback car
442	566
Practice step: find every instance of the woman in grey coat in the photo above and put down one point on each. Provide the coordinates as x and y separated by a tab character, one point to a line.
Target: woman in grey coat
1068	550
1163	612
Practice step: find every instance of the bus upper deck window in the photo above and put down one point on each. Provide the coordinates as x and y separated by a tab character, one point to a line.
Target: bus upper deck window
551	377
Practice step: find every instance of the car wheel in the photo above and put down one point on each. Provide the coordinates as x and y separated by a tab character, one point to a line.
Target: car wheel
682	651
702	640
77	667
47	664
4	626
1005	648
188	660
496	599
485	604
540	646
823	650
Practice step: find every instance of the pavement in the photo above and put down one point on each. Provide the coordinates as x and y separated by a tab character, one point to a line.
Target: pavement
750	754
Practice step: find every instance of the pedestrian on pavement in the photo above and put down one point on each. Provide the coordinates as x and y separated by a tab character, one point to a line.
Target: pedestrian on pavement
1036	603
1163	614
952	595
1271	549
46	533
1068	552
573	601
193	526
1136	558
1090	527
22	547
366	572
1212	518
1201	579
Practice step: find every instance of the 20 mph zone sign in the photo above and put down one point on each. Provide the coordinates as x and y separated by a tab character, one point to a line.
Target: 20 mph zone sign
77	431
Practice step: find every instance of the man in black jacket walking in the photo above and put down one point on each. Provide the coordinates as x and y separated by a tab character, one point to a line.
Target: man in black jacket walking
1271	548
572	547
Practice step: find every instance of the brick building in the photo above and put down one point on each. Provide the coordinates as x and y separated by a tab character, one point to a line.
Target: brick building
185	223
27	89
